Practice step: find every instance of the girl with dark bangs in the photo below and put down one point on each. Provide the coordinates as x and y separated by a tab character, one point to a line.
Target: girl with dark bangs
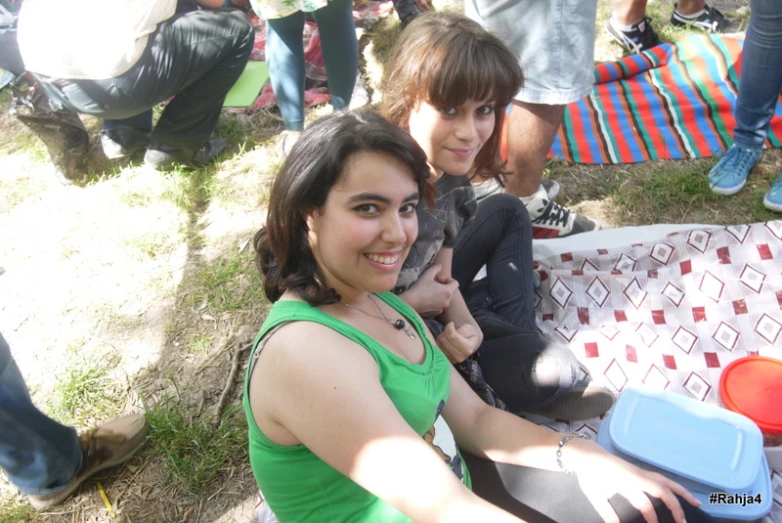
448	81
354	414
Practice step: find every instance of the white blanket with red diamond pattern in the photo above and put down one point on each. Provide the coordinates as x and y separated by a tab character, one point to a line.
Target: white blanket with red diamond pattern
669	313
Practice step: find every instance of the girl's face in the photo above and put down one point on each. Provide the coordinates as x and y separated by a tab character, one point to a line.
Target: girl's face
363	233
453	136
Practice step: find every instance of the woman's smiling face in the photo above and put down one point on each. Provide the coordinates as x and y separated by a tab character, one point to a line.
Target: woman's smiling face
453	136
363	233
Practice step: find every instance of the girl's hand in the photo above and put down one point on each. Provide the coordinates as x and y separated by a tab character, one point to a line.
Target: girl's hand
459	343
602	475
431	294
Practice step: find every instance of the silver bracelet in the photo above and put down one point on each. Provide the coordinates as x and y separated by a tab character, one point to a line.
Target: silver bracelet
562	443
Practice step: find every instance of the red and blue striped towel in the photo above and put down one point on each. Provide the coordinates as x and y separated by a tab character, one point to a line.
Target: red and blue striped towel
673	101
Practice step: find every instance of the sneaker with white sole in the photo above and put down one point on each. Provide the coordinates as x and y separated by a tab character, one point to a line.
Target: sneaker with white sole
106	446
773	198
638	38
730	174
584	400
709	20
552	220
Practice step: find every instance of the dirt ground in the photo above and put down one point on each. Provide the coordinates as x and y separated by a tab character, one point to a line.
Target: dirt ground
137	290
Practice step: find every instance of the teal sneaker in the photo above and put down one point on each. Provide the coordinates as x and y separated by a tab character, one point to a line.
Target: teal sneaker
773	198
730	174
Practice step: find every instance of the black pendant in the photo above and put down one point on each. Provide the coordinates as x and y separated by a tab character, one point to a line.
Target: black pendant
399	324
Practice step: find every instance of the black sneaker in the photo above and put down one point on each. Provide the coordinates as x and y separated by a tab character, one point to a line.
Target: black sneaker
640	37
551	220
710	20
61	130
121	142
163	157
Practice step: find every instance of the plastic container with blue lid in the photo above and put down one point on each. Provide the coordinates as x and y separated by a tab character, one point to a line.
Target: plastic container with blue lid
748	512
723	449
704	447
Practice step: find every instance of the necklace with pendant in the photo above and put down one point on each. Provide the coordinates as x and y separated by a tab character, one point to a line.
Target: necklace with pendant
398	324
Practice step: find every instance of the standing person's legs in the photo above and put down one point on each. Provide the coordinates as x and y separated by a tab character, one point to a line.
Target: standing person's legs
340	49
285	56
555	42
759	88
629	12
10	57
532	128
543	496
39	455
761	74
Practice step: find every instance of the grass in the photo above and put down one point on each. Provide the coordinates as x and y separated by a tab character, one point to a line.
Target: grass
11	512
84	395
195	452
230	283
200	343
150	244
653	194
189	189
16	190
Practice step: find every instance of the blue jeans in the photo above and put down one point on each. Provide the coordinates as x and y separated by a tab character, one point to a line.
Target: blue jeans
761	74
285	56
39	455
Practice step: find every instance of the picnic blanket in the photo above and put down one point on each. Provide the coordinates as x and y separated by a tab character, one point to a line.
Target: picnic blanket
669	313
673	101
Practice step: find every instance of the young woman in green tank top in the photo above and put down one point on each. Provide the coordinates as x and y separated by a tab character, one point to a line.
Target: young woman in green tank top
354	414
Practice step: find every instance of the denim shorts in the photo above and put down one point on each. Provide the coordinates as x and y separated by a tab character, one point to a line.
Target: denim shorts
554	39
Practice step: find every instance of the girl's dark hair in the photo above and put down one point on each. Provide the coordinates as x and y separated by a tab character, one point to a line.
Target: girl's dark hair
315	163
444	59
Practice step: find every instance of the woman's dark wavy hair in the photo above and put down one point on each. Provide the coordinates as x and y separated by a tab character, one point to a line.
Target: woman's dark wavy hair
314	165
444	59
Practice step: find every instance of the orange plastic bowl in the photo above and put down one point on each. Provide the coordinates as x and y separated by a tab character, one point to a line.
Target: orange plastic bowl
752	386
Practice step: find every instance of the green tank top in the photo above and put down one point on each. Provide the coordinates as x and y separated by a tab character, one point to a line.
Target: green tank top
297	484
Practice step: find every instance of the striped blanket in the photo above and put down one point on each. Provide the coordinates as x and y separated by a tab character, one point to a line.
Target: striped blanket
673	101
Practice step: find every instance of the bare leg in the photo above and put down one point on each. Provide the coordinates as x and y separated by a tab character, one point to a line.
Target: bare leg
690	7
630	12
531	131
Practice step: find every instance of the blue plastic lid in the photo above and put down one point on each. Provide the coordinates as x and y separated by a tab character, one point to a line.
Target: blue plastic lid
749	512
698	441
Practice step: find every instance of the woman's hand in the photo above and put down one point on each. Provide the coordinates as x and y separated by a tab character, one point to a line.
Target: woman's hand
431	293
460	343
602	475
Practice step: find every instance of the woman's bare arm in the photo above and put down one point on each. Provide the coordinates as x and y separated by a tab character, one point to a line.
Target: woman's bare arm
324	390
504	437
